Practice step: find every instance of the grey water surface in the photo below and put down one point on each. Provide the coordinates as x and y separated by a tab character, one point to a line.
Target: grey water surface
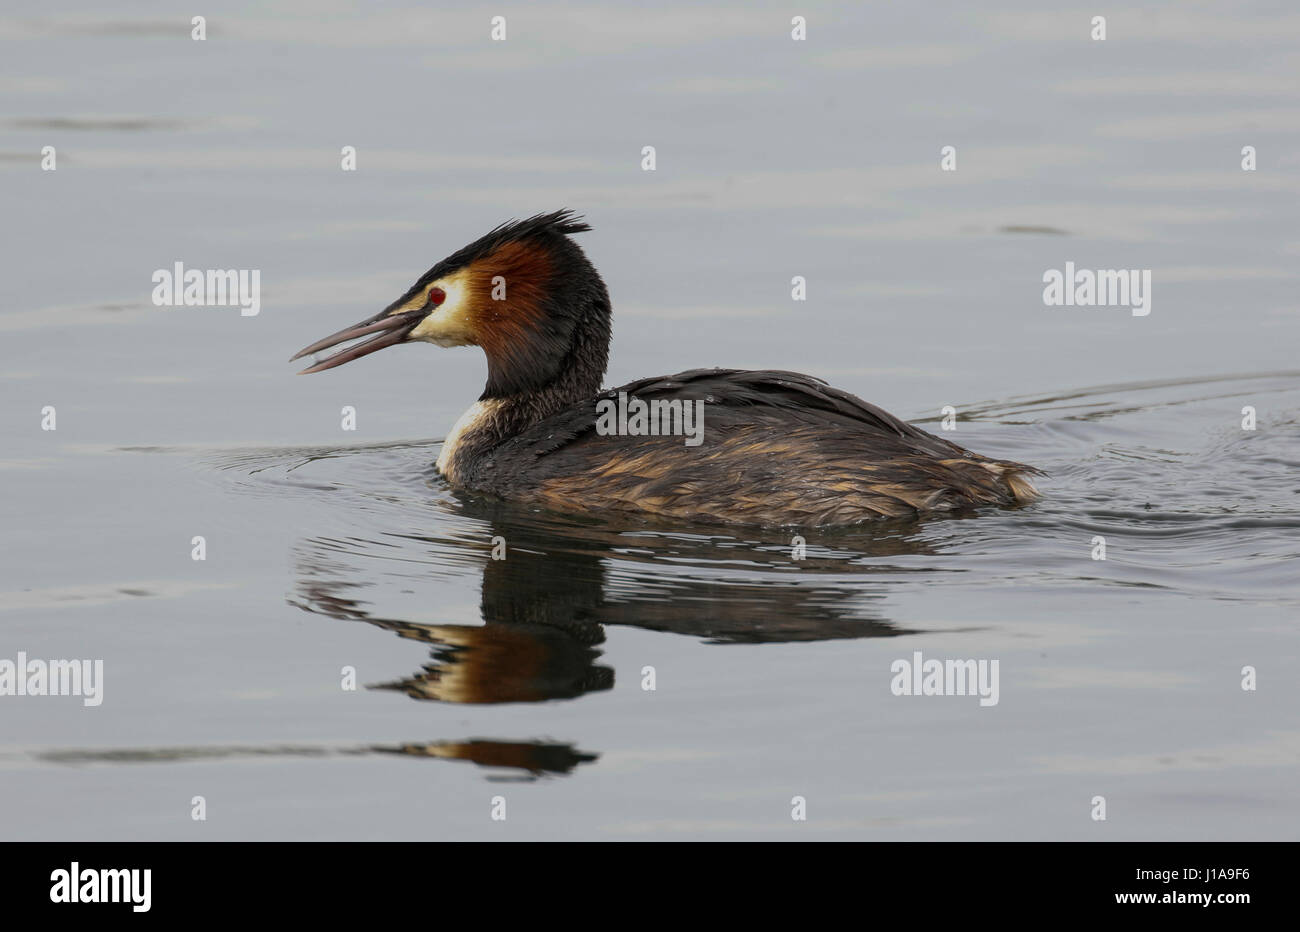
523	678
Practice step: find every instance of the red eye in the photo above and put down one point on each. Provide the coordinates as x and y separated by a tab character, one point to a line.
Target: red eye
437	296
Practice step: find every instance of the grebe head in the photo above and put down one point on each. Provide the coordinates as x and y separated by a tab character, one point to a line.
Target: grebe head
525	293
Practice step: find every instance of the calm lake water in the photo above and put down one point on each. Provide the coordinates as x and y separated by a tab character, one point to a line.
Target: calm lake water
523	678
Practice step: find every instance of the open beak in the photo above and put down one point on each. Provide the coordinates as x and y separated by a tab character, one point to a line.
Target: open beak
389	330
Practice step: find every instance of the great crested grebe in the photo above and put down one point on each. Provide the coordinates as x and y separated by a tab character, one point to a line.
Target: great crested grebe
776	448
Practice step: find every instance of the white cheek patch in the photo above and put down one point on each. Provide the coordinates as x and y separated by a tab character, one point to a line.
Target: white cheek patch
449	323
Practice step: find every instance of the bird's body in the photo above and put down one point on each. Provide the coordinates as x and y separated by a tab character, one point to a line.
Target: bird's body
777	448
745	447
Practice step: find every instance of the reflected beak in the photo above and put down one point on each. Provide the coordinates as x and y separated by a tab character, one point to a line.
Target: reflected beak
389	330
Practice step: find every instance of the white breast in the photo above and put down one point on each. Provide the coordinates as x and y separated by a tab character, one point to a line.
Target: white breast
478	413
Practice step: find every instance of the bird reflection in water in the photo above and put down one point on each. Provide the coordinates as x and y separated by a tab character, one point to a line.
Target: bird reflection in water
545	606
526	760
531	759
